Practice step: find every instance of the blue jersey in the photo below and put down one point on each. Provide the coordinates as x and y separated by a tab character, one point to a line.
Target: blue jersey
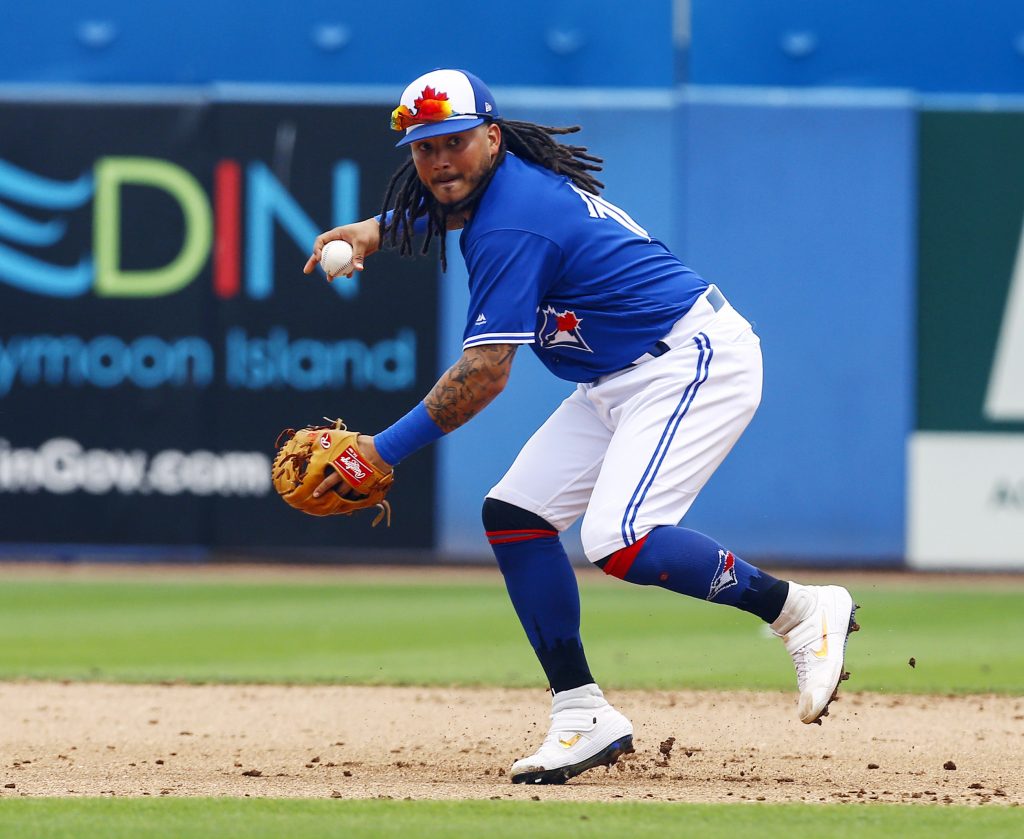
572	275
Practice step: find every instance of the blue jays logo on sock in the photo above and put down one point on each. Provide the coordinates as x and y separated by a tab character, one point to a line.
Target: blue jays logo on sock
725	576
562	329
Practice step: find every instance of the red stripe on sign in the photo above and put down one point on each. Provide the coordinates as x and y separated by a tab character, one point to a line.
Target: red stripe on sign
621	561
227	207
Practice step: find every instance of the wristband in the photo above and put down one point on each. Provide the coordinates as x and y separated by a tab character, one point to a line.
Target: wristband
412	432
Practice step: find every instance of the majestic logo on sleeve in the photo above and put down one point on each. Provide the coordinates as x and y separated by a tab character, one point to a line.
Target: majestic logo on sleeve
562	329
726	576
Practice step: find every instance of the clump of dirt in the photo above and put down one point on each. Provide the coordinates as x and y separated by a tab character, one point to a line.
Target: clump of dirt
666	750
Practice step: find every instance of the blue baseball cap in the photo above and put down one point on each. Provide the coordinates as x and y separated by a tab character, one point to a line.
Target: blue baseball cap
442	102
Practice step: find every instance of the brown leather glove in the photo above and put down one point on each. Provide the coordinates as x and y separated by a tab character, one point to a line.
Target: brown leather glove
303	458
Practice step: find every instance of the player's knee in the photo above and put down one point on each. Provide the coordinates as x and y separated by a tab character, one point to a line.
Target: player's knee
618	563
500	516
598	537
603	542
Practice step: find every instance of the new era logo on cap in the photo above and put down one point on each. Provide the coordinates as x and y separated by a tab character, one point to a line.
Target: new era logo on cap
442	102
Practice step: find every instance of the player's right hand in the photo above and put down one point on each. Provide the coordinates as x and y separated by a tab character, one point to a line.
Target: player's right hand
363	236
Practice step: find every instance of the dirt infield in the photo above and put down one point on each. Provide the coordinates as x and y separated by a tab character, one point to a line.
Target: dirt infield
59	739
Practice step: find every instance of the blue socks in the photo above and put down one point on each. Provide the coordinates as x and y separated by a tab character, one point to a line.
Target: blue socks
542	587
690	563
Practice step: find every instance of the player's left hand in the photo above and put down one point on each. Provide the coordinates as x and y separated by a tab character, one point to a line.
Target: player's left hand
369	451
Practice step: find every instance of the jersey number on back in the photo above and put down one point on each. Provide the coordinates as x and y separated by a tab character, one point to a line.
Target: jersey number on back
599	208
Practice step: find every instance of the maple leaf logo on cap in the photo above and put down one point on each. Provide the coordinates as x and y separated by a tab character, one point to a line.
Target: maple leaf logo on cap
431	106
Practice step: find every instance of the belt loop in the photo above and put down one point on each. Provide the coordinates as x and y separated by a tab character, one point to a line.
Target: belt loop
715	298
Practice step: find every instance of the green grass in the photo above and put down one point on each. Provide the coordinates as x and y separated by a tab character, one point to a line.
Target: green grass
964	639
253	819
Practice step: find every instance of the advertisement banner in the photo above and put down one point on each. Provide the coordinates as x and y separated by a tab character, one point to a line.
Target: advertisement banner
157	331
966	460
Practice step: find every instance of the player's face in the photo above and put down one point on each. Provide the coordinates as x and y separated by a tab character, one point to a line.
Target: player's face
451	165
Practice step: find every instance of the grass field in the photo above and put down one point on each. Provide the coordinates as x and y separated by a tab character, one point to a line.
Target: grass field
276	819
385	631
437	633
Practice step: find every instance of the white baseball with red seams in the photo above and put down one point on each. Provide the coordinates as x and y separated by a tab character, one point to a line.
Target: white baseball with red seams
336	258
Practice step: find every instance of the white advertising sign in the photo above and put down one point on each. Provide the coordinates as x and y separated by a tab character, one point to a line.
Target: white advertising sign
966	501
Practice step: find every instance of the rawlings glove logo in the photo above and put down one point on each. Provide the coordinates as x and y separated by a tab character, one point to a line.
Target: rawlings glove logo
351	464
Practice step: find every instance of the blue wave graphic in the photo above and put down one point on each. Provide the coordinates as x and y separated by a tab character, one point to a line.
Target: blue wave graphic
40	277
37	191
26	272
14	227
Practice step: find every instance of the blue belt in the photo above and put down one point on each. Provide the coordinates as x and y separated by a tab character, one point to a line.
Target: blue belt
717	301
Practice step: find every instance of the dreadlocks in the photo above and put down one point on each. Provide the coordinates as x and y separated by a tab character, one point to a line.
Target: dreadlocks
410	199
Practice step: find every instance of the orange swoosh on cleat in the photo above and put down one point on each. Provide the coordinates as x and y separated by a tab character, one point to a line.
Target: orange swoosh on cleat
823	652
572	741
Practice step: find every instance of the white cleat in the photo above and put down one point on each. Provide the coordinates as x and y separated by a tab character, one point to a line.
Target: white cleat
815	624
585	732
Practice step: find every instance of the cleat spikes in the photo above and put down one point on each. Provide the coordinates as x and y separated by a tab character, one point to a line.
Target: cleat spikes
845	676
560	776
854	626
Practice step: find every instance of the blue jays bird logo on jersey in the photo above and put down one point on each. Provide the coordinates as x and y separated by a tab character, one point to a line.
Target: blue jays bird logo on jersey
562	329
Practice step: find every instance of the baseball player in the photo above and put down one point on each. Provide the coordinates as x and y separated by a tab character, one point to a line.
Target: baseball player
667	373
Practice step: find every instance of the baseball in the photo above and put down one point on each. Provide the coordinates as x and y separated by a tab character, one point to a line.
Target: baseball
336	258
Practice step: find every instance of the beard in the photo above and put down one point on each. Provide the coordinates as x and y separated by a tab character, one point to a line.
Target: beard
483	180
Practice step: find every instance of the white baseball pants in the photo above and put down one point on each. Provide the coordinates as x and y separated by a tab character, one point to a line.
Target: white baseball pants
631	451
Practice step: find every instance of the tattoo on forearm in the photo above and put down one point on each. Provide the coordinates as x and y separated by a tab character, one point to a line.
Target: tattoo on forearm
470	384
